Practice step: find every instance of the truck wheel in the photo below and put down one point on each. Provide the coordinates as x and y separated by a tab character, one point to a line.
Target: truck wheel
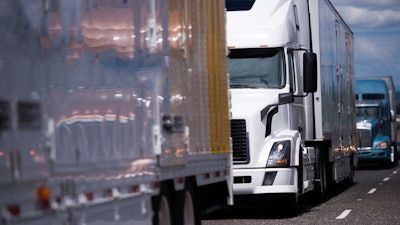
187	207
293	205
161	207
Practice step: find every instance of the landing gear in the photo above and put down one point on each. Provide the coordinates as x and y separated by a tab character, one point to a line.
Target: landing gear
350	179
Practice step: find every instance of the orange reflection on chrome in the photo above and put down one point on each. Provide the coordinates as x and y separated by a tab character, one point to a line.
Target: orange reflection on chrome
179	151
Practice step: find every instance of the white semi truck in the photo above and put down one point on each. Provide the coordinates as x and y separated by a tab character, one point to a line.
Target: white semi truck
291	73
113	112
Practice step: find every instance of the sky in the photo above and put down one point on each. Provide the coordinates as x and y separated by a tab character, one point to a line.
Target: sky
376	28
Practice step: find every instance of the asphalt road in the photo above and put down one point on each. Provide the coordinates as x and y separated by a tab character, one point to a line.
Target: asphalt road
374	198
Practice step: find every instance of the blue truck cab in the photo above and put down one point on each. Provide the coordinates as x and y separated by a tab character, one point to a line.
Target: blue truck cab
374	123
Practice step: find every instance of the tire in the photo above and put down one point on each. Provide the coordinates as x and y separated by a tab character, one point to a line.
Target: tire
300	174
187	206
293	205
162	208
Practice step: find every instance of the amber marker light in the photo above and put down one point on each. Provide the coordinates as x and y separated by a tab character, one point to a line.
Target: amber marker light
43	195
383	145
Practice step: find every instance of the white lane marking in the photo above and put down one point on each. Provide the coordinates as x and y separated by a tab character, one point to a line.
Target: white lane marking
372	191
386	179
343	214
394	172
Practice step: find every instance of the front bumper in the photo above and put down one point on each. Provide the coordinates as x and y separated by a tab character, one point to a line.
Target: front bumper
371	155
264	181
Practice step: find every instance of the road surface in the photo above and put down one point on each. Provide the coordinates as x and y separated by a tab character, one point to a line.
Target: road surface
374	198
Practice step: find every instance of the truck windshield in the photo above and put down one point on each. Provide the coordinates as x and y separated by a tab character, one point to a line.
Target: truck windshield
367	113
256	68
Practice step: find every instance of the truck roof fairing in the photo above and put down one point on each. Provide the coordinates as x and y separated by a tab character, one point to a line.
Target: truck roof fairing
253	28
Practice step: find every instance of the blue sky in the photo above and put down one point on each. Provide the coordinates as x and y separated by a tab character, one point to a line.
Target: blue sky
376	28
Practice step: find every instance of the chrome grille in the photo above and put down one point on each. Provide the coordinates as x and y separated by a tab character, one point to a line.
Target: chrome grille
365	137
239	141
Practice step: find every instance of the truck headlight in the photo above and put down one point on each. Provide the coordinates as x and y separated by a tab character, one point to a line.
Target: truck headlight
383	144
279	155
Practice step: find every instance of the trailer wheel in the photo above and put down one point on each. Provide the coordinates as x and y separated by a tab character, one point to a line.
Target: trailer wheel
161	207
187	207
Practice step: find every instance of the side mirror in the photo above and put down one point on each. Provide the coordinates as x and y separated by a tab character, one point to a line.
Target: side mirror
392	116
309	72
381	126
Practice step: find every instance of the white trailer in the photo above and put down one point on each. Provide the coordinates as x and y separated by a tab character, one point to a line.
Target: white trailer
291	72
113	112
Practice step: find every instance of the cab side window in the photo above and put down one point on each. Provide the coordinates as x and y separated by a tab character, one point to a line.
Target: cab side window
291	71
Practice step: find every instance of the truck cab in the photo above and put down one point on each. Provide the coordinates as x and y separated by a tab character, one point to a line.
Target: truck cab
292	123
266	117
374	123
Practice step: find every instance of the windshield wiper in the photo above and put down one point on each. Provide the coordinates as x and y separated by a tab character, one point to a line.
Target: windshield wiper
240	86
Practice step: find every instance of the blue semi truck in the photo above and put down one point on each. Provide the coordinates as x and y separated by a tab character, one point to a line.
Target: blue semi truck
376	120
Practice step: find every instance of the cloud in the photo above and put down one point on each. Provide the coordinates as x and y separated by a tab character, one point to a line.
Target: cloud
360	18
377	54
370	14
367	3
376	27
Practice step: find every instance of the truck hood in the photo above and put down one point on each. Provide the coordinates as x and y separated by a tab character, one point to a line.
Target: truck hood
372	125
247	102
368	124
266	23
377	134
